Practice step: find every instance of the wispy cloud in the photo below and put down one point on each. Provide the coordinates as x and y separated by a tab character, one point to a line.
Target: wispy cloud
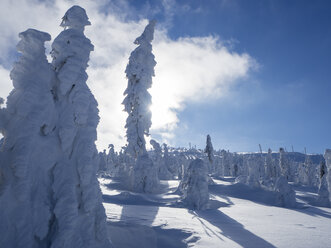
188	69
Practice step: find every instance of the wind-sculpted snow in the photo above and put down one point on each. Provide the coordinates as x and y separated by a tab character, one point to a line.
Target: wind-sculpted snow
49	193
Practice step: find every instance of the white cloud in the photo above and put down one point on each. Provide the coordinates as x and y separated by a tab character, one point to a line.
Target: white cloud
188	69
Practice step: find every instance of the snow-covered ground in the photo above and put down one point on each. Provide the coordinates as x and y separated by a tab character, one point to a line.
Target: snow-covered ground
238	216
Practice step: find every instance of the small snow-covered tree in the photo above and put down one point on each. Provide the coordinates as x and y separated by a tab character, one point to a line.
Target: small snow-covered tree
283	163
195	186
327	157
323	192
285	194
137	101
159	162
145	178
79	216
29	150
268	164
209	149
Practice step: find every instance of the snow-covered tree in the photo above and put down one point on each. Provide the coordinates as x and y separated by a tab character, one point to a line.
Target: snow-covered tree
79	217
209	149
137	101
195	186
29	151
283	163
327	157
159	161
144	176
323	192
268	165
285	194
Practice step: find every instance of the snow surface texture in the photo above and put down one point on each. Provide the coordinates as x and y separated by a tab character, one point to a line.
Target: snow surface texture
49	193
195	186
137	101
244	217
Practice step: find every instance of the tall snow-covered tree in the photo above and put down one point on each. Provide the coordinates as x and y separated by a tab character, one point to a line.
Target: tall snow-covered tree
30	148
79	216
137	101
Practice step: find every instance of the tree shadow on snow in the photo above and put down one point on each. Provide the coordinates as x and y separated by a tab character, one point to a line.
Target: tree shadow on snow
242	191
132	235
231	229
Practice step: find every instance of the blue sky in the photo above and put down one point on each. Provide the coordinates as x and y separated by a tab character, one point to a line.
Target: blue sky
289	102
245	72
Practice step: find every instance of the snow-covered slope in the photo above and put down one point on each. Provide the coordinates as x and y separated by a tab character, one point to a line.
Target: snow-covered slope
238	216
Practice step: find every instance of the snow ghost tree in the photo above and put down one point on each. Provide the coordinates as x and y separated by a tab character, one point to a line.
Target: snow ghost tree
210	152
28	153
79	217
270	171
145	178
195	186
158	161
327	157
285	194
137	101
283	163
209	149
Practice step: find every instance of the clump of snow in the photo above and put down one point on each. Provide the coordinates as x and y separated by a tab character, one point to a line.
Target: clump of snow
285	194
144	176
195	186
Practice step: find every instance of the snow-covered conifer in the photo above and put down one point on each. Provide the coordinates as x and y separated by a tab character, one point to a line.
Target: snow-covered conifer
209	149
323	192
285	194
268	164
79	216
195	188
327	157
159	162
145	175
29	151
283	163
137	101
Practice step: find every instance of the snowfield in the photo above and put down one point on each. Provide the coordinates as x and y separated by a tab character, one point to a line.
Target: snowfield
238	216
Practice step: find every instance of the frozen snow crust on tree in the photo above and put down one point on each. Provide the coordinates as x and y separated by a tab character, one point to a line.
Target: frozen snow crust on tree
49	193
